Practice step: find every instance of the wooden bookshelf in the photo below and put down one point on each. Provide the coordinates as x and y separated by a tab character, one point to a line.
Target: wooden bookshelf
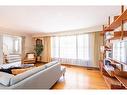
109	70
122	80
113	78
113	62
115	24
112	83
117	35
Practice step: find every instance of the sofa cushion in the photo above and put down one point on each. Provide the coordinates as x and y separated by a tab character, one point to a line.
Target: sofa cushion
5	78
25	74
51	63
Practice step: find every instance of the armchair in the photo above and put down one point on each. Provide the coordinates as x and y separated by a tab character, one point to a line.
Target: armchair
30	58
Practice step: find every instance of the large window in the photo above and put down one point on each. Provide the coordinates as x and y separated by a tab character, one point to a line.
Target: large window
68	47
71	49
83	47
12	44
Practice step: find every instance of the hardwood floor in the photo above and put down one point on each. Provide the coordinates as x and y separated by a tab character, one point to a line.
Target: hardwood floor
80	78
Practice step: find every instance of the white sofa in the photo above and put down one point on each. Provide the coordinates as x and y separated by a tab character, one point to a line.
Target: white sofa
42	77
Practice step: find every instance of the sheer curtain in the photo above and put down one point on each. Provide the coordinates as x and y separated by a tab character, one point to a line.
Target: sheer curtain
46	54
71	49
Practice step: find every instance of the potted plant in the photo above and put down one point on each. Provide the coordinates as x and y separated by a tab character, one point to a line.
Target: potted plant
38	50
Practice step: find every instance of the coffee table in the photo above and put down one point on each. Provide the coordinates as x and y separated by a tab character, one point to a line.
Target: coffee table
22	68
17	69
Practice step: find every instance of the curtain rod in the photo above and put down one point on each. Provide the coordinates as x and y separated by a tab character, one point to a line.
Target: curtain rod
69	34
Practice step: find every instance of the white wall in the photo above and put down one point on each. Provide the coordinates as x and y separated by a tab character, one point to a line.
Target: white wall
28	44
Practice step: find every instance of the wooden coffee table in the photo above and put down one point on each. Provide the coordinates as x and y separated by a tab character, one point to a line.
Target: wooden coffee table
22	68
18	71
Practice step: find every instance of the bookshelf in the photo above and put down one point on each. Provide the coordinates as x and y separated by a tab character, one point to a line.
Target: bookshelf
111	69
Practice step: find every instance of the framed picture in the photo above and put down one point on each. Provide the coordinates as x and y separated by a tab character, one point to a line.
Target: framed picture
38	42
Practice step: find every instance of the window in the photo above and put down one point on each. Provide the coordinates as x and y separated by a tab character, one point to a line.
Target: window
12	44
72	49
68	47
83	47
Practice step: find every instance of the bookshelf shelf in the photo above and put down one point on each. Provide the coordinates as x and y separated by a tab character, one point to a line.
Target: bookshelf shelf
122	80
110	70
112	83
115	24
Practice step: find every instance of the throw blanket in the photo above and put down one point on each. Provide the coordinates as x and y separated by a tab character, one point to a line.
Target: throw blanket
9	70
15	70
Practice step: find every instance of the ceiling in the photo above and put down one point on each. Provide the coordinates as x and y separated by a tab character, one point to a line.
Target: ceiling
49	19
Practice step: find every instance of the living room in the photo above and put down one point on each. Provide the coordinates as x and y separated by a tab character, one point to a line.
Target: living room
63	47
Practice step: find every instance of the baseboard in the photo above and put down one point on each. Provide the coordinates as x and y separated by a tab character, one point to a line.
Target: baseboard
89	68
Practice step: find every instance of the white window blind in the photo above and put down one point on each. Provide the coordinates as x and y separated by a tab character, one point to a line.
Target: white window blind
71	49
68	47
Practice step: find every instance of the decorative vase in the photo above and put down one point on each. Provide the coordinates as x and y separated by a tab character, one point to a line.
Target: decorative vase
38	58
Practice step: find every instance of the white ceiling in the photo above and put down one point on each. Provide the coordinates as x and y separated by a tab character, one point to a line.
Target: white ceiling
47	19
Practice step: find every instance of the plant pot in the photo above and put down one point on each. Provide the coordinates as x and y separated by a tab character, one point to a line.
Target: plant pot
38	58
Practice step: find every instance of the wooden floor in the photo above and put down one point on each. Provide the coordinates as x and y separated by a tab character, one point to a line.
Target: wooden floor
80	78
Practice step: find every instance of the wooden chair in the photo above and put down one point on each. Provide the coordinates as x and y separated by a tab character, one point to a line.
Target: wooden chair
30	58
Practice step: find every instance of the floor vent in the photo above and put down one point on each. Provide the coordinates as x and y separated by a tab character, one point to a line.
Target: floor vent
88	68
